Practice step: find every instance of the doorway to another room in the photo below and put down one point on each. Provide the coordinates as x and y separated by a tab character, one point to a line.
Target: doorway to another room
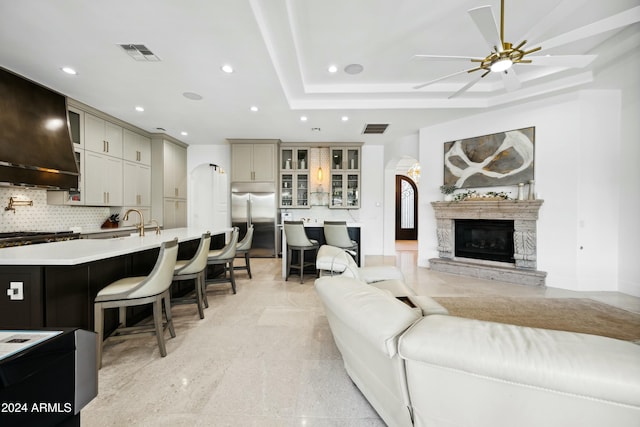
406	209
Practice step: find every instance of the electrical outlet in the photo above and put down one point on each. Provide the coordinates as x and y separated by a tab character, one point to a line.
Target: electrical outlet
16	291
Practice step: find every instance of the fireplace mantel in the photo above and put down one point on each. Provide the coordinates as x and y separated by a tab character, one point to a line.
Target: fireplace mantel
524	213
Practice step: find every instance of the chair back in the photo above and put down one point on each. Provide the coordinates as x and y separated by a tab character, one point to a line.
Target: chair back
336	234
245	243
161	276
229	250
295	234
351	269
199	260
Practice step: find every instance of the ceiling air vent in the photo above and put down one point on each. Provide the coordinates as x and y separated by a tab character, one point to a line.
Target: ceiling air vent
139	52
375	128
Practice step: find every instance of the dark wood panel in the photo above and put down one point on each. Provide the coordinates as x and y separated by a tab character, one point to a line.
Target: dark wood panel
25	313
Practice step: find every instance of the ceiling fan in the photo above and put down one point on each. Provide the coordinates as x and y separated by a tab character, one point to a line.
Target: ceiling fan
504	55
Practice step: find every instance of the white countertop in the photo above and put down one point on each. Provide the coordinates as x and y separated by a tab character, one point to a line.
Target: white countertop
73	252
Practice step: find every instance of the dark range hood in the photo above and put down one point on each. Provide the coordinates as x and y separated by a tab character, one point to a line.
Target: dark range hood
35	143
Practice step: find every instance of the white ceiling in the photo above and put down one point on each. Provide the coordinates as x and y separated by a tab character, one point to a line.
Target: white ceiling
280	50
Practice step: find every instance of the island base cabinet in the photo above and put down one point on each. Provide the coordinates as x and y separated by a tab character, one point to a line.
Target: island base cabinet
25	310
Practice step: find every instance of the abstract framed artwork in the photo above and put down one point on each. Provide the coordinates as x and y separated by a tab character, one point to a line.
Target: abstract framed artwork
504	158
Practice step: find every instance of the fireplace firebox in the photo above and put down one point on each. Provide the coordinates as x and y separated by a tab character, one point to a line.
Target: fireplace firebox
490	240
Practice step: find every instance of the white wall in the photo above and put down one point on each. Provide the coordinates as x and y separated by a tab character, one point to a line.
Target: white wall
372	212
577	174
407	146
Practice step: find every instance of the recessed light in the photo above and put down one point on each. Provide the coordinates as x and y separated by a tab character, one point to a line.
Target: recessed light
303	118
344	118
227	68
333	69
254	108
69	70
353	69
183	133
192	95
139	108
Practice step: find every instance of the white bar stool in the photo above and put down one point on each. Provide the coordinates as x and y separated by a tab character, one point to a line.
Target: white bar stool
141	290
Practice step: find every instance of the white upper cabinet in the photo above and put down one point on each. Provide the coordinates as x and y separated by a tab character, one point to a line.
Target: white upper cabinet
254	161
137	148
102	136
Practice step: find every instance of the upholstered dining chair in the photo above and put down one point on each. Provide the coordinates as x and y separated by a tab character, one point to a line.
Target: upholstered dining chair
242	250
336	234
223	257
140	290
297	240
194	269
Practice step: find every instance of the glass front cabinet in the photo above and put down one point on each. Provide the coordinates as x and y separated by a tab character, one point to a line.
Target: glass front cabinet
345	178
294	177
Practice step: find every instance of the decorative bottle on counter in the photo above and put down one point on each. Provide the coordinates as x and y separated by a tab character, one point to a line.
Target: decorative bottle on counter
532	190
521	191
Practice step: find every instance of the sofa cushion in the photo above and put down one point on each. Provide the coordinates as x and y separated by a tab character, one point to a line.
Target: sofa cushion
566	362
374	313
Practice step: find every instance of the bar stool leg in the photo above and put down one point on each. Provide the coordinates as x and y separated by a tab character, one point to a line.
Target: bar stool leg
301	265
157	320
99	330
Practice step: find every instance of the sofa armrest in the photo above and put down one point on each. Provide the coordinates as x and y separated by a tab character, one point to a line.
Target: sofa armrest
566	362
427	305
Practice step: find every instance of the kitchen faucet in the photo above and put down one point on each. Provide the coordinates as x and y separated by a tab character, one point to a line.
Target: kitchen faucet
157	226
141	226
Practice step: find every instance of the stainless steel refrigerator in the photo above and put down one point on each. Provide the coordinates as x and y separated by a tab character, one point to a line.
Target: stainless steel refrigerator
254	203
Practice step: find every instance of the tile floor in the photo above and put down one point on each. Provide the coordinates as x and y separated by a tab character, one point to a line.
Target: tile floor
262	357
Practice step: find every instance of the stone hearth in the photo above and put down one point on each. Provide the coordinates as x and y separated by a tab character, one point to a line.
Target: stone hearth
524	213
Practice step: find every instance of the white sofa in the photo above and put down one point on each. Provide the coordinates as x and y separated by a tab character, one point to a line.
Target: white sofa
439	370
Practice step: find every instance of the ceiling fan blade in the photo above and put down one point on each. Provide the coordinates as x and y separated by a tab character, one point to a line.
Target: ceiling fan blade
622	19
510	80
556	17
567	61
445	58
466	87
440	78
486	23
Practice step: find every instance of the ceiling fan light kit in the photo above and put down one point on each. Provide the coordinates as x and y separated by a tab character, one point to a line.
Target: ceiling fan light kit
503	54
502	64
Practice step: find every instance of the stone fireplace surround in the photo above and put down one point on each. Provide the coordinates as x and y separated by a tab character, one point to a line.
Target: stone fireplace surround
524	214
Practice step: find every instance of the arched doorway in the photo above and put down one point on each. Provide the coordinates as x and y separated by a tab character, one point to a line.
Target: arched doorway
406	209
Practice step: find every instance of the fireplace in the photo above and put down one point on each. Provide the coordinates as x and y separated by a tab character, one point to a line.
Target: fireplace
490	240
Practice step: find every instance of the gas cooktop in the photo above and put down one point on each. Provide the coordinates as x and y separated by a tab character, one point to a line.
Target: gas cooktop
19	238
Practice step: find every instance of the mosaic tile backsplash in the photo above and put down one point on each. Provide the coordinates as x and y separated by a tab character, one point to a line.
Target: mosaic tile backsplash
44	217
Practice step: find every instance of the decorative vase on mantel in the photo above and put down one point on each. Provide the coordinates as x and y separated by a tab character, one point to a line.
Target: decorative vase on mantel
448	197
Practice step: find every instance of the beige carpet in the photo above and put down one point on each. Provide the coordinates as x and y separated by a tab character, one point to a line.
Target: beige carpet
566	314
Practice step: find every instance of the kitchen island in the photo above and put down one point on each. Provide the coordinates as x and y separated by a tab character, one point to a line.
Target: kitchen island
55	284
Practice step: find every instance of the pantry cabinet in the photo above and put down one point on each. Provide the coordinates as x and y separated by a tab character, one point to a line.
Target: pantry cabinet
168	181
